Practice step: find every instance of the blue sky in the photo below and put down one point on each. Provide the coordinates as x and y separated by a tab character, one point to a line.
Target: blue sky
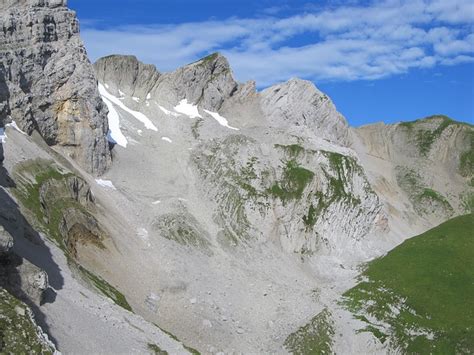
386	60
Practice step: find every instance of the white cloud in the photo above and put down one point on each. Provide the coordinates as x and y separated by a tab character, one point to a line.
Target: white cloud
345	43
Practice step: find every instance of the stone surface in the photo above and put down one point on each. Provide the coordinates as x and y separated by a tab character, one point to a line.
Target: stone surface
299	103
47	83
6	241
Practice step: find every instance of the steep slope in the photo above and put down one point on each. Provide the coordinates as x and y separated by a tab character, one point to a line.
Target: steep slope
47	83
232	218
423	169
53	133
232	185
417	298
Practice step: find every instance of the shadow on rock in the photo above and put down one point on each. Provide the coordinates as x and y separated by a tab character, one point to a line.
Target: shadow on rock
25	263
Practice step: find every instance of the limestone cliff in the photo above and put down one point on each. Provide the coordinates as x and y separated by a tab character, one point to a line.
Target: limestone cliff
47	83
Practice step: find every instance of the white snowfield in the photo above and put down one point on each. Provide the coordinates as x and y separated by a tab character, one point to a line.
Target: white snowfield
3	136
188	109
105	183
114	135
167	139
138	115
222	120
15	126
168	112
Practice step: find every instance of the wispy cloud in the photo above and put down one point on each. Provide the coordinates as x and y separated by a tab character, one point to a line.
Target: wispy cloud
342	43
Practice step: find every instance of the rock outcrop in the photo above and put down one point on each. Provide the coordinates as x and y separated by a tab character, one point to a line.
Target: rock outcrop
417	159
207	82
23	279
19	332
47	83
299	103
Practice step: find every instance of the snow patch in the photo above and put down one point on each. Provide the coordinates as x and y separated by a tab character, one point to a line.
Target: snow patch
106	86
221	120
105	183
138	115
15	126
3	136
139	131
122	94
136	99
188	109
143	235
157	202
114	135
169	113
167	139
148	96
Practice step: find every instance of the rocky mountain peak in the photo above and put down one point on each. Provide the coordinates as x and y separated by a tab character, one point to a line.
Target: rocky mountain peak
33	3
299	102
47	82
127	74
207	82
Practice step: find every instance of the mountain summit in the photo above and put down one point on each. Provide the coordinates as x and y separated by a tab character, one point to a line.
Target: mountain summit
141	211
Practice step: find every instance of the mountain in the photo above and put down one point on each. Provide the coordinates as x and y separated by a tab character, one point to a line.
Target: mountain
48	84
418	295
186	205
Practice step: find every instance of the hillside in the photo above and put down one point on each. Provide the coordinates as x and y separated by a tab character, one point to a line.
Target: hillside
143	210
418	297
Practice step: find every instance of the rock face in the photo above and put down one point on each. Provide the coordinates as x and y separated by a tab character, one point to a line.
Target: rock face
23	279
227	208
299	103
47	83
417	159
20	333
262	186
207	82
126	73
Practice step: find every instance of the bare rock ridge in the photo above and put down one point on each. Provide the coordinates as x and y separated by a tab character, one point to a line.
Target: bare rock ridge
47	83
230	216
242	176
209	83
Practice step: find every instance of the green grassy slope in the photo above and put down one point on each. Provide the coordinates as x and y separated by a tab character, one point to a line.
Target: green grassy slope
420	296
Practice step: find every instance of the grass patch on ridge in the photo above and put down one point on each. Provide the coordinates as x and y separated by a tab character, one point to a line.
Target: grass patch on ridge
423	290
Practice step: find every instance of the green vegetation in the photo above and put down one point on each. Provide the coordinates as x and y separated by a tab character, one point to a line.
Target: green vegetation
195	127
234	186
466	160
105	288
155	349
18	333
191	350
345	168
434	196
310	219
45	192
294	181
182	228
316	337
425	200
210	58
426	137
423	291
30	177
467	201
293	150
